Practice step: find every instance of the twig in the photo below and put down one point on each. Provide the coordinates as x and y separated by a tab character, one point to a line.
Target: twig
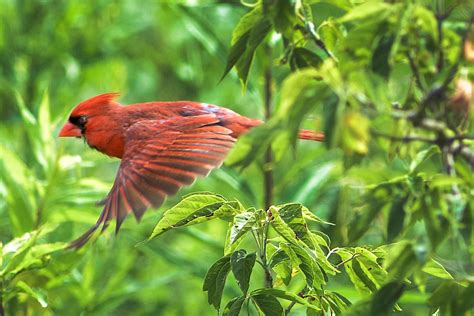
310	29
300	294
317	40
461	137
404	139
465	152
268	273
331	252
347	260
438	89
416	73
433	125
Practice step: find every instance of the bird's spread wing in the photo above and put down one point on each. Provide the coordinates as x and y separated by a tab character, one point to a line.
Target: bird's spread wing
160	157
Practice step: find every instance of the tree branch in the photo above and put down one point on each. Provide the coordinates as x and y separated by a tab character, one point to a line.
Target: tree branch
416	72
404	139
464	152
267	168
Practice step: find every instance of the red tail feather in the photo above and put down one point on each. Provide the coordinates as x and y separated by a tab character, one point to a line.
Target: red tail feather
311	135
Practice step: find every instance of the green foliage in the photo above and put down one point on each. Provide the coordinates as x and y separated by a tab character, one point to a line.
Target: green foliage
291	252
392	184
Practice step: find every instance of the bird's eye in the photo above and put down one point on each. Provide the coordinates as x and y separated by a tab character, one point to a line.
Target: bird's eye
82	120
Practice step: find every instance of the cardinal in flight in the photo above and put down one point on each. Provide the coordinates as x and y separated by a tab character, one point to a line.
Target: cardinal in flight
163	146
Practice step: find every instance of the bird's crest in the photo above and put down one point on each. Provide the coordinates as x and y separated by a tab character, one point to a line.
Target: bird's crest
95	103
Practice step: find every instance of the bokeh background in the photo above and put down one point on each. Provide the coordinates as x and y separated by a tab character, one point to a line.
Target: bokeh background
55	54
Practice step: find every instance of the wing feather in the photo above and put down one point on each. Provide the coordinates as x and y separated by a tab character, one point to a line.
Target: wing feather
161	157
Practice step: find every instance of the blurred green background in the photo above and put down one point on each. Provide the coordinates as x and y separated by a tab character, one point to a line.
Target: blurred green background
55	54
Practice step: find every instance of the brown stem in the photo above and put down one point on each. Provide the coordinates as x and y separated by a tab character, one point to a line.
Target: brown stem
268	172
268	165
2	311
416	72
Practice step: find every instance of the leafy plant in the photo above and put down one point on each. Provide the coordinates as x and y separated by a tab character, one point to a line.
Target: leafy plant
288	251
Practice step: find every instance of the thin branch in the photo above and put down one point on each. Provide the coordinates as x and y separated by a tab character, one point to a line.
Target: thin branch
416	72
300	294
404	139
310	29
465	152
461	137
433	125
438	90
268	273
347	260
317	40
331	252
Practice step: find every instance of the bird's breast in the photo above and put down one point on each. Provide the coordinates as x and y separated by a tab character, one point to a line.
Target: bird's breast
111	144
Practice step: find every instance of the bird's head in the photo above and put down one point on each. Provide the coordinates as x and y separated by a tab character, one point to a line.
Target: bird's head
88	115
96	120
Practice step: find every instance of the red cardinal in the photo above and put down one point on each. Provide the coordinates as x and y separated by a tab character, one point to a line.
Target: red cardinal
163	146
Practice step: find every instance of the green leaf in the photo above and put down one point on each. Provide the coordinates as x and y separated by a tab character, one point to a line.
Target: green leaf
396	217
20	191
237	50
371	266
215	280
280	263
234	306
401	260
433	218
286	296
292	215
242	223
366	11
193	209
300	258
422	157
381	54
19	247
248	34
355	133
304	58
268	304
307	214
376	201
385	298
35	293
301	92
253	144
240	37
360	272
257	35
282	228
436	269
242	265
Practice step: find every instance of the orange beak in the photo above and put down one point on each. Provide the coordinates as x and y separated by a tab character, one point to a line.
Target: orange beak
70	130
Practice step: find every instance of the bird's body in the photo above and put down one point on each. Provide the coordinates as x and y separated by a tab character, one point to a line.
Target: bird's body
163	146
